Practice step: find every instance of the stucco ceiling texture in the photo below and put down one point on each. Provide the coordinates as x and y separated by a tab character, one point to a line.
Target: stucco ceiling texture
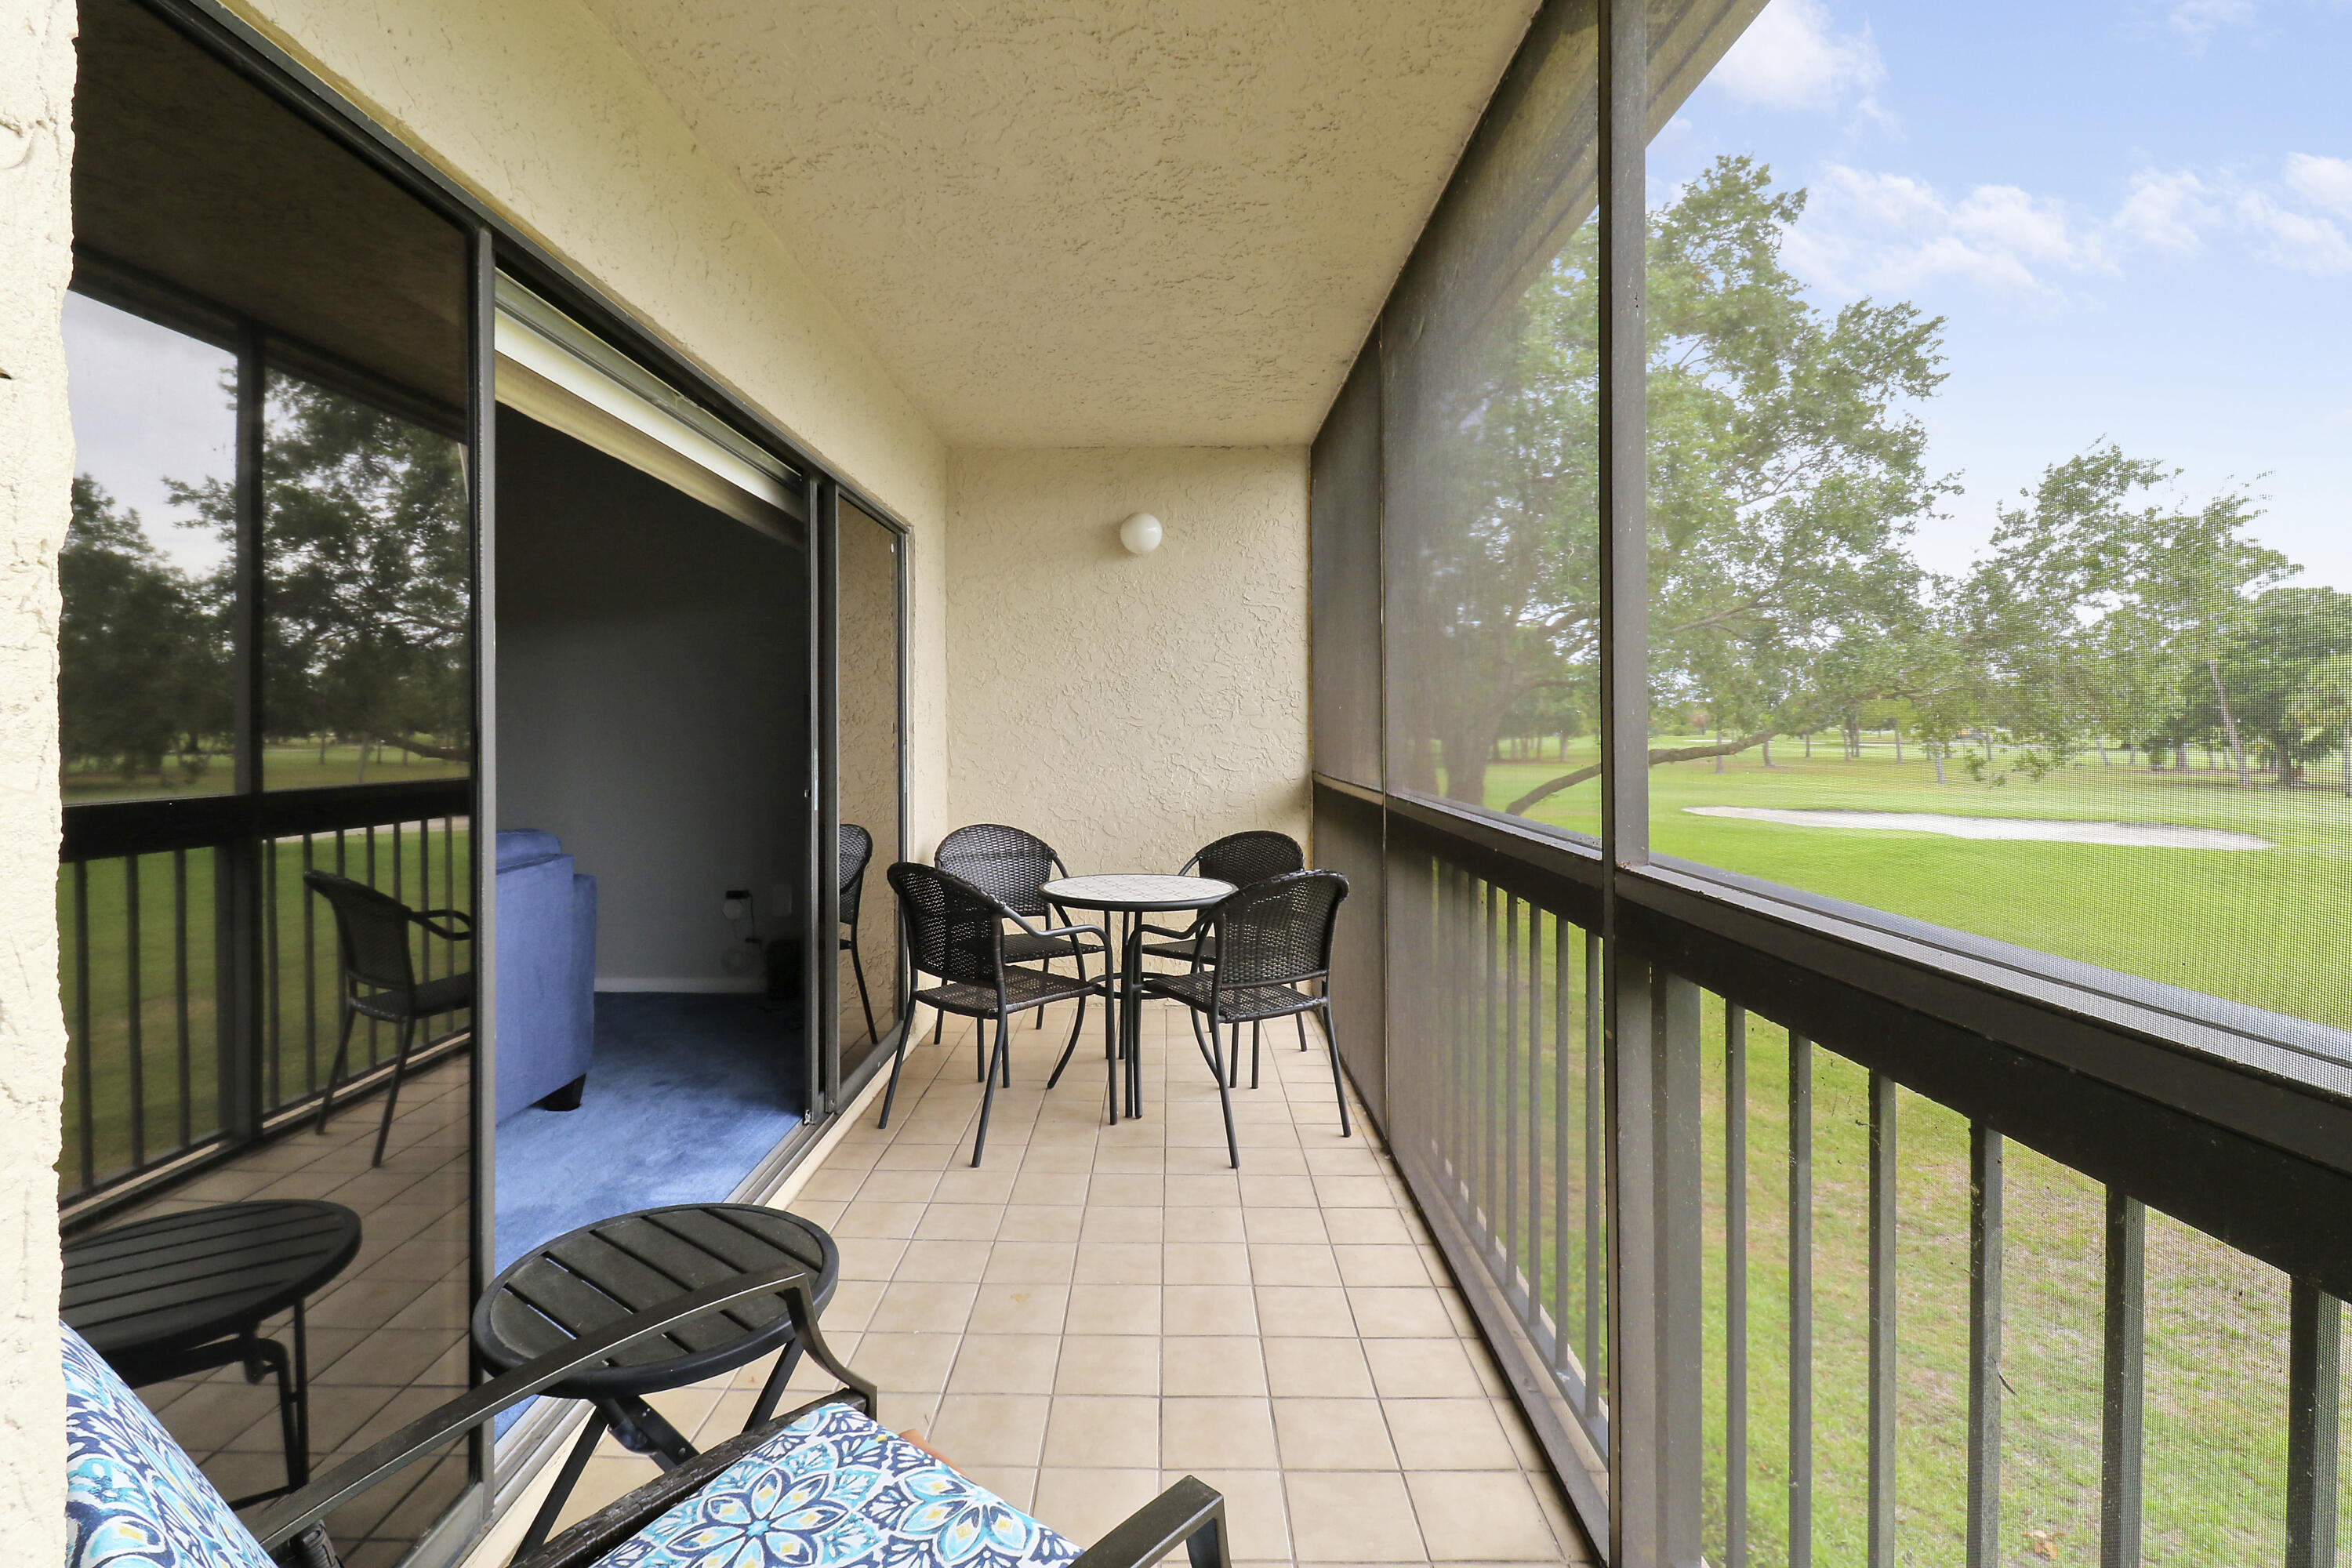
1091	224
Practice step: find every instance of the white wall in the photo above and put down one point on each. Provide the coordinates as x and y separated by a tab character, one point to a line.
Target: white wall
1129	708
36	72
651	693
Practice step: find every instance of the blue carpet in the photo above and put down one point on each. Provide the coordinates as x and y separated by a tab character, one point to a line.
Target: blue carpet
686	1094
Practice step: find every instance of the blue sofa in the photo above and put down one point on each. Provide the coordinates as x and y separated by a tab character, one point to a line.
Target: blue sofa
547	973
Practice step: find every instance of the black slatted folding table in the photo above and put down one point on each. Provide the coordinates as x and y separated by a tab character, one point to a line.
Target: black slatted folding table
185	1293
589	1278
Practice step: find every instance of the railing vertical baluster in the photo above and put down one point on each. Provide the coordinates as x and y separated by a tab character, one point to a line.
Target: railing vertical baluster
1735	1286
1559	1031
1490	1144
1882	1213
1595	1172
1801	1302
1506	1091
2315	1324
1985	1240
84	1047
371	1042
309	974
2126	1328
180	992
134	1015
272	975
1533	1246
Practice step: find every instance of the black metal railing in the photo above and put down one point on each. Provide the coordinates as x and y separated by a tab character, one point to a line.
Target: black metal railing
200	978
1787	1267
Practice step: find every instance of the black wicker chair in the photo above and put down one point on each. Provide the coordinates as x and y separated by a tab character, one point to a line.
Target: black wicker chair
1271	938
956	931
379	976
856	850
1189	1514
1240	858
1010	867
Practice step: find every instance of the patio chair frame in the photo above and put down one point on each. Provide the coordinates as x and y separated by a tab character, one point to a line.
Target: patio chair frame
379	977
1189	1513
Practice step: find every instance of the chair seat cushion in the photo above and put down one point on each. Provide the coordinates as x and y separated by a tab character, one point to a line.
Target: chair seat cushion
133	1497
835	1489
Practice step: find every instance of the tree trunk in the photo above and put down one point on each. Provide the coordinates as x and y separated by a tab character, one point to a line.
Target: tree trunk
2230	724
1767	751
2180	756
1657	754
2103	753
1935	749
1808	745
1898	745
1719	749
1853	740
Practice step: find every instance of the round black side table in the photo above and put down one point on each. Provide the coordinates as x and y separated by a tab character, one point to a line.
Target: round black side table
185	1293
1132	895
589	1277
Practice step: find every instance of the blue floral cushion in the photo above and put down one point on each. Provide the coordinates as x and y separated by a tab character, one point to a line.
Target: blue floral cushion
836	1490
133	1497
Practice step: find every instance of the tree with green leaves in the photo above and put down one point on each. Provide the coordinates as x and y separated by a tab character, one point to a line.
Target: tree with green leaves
142	672
2325	706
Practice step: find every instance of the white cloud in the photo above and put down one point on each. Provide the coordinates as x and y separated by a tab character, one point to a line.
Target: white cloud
1868	233
2301	240
2198	20
1793	57
2166	211
2323	181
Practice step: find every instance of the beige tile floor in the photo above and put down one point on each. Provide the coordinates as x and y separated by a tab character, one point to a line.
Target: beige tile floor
1097	1311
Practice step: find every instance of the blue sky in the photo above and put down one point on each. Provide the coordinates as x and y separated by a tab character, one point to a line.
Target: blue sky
2135	217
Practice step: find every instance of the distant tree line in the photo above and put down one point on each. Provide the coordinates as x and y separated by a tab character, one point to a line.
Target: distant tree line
1788	475
364	602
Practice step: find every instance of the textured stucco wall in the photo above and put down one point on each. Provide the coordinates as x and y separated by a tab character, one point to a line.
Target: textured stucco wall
531	105
1129	708
36	70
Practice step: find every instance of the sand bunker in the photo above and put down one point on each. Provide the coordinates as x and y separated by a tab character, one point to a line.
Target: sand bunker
2134	834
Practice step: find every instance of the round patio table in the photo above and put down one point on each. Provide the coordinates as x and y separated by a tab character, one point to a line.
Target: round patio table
183	1293
1132	895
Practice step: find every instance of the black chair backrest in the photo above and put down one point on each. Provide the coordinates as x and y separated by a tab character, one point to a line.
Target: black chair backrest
954	930
1277	931
371	927
1005	863
1241	858
856	849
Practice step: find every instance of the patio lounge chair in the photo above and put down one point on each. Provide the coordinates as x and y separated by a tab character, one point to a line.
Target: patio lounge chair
824	1483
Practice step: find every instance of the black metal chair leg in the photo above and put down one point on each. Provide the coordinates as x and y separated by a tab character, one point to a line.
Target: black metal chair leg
392	1095
988	1092
543	1521
335	1073
1225	1093
1338	1086
897	1060
771	1394
1200	1042
1110	1057
1072	1048
1235	1061
1257	1047
858	967
1300	1019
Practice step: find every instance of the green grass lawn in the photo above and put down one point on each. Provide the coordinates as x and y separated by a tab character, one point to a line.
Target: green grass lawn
2270	927
283	766
2215	1384
298	1009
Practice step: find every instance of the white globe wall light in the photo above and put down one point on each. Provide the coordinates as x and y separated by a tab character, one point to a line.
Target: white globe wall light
1140	534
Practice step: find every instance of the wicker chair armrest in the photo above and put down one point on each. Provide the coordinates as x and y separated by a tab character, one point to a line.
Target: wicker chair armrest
426	917
1094	931
1192	931
291	1515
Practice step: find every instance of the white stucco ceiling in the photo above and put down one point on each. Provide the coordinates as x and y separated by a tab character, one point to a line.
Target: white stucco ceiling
1064	223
